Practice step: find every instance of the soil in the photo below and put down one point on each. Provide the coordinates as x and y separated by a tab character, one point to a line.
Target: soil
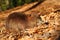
47	25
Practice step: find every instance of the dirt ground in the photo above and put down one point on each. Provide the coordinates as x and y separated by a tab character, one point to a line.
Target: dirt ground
48	11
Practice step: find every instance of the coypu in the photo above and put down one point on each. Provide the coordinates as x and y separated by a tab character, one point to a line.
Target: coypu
16	22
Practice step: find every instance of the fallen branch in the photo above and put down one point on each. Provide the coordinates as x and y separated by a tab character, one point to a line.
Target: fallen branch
21	9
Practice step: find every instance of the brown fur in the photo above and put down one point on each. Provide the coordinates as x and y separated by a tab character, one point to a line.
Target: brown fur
19	21
16	22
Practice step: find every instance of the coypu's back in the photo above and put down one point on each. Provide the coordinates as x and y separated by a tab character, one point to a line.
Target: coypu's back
16	22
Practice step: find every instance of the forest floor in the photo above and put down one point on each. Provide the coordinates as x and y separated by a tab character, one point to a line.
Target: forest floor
46	10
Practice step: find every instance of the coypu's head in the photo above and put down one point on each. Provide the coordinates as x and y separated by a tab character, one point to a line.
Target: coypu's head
16	22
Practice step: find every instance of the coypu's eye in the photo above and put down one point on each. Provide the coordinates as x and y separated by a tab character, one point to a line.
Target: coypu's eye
30	15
